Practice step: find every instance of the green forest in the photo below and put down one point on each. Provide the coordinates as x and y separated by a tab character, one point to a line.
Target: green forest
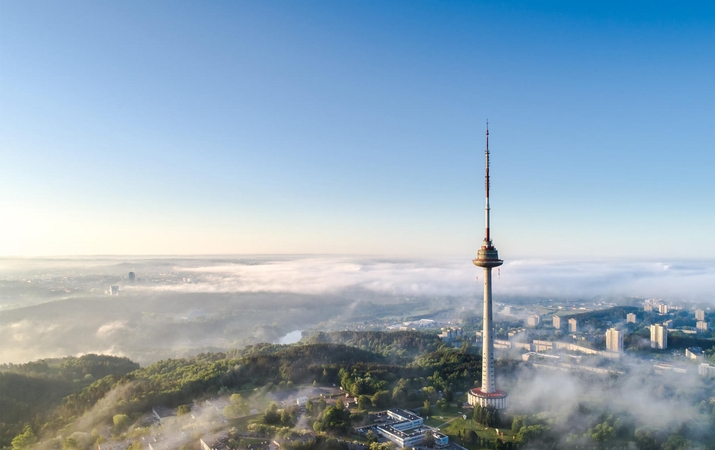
45	399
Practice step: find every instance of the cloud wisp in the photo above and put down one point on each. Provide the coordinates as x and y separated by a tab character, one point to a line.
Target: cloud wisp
689	281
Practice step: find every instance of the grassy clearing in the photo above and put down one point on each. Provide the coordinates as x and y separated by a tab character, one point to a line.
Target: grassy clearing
242	423
452	423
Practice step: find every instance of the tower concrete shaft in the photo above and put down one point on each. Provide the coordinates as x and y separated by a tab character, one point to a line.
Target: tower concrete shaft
488	382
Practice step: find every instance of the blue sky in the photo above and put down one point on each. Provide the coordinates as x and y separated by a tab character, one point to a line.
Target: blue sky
357	128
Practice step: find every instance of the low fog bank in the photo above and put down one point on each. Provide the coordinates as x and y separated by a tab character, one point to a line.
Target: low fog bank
56	307
686	281
570	403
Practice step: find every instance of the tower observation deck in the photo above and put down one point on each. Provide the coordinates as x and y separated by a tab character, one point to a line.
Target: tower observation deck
487	257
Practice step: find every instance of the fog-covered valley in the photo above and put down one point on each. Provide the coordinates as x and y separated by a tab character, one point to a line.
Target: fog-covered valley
180	306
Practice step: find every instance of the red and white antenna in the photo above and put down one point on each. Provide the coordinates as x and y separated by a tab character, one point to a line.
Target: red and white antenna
487	240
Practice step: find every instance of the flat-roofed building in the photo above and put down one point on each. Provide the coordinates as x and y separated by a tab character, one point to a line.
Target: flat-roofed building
614	340
534	320
408	430
699	314
658	337
706	370
702	326
663	309
694	353
630	318
573	325
557	322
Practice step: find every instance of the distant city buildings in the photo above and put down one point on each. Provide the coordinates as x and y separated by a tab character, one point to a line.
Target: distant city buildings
534	320
573	325
648	307
702	326
631	318
418	324
507	310
614	340
699	314
451	334
132	277
557	322
663	309
113	290
658	337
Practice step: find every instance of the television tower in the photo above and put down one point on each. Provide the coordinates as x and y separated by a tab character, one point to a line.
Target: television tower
487	257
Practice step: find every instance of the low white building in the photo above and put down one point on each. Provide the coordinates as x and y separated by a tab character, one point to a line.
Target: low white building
408	430
694	353
706	370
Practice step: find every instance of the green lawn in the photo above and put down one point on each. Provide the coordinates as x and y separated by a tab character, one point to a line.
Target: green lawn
452	428
451	423
242	423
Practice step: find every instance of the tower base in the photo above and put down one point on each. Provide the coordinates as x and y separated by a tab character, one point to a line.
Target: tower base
497	399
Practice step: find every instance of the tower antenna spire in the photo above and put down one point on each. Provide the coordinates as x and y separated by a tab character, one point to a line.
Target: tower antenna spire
487	239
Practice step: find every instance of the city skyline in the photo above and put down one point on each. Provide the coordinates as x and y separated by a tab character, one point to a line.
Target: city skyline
145	129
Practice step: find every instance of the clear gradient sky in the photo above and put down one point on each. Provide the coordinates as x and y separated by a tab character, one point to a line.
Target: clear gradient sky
150	127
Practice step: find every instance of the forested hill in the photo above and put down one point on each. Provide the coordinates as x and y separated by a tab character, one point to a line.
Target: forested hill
399	346
49	396
29	390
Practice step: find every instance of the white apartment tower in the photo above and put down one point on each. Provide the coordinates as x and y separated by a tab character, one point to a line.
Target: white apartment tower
702	326
573	325
631	318
534	320
658	337
699	314
557	322
614	340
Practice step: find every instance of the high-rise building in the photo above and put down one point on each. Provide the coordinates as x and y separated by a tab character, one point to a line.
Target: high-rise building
699	314
702	326
132	277
113	290
534	320
487	395
630	318
647	307
663	309
557	322
614	340
573	325
658	337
